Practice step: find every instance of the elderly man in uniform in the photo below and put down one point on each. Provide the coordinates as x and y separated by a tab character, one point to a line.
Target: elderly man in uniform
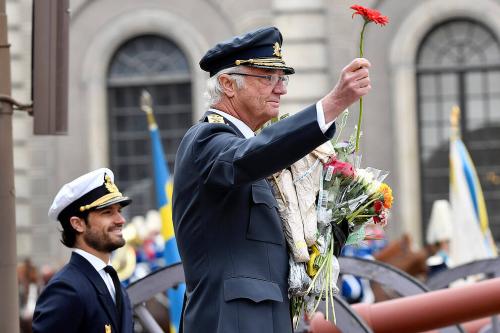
225	215
86	295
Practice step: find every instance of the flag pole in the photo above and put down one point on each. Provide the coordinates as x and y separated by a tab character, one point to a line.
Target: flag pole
147	107
455	123
164	188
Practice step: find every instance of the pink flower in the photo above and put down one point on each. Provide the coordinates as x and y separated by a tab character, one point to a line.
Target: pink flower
382	217
343	168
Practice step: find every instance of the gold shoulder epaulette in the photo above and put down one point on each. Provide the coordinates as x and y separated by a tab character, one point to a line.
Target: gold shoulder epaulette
215	119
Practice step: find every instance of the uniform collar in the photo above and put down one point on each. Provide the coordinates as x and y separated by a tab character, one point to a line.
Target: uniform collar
88	265
241	126
97	263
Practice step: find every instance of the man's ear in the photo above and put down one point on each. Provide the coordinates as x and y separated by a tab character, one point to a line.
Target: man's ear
77	223
228	85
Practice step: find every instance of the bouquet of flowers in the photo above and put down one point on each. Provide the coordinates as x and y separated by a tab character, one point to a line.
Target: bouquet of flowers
348	197
325	200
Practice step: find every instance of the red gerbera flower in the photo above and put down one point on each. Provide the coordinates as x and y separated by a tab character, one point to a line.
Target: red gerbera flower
378	205
370	15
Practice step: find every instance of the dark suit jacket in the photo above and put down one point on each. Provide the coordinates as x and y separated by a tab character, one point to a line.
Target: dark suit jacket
77	300
227	226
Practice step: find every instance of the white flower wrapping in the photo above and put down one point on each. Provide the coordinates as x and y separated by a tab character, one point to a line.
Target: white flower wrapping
296	190
319	196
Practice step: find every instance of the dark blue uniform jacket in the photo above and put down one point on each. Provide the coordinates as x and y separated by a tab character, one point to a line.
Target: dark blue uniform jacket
77	300
227	226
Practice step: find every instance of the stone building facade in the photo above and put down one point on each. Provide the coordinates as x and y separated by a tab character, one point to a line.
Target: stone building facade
117	48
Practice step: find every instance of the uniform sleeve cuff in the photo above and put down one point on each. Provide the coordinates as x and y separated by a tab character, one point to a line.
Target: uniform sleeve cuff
321	118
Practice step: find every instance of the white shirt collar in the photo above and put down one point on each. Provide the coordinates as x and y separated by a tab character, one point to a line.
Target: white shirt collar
96	262
99	265
241	126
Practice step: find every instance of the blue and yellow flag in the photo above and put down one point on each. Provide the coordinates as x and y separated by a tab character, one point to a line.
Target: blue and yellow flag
163	187
472	239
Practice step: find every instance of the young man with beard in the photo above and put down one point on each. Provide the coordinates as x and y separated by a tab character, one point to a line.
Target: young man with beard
225	215
86	295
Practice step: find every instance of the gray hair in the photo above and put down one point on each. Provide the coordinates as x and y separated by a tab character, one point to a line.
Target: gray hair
213	90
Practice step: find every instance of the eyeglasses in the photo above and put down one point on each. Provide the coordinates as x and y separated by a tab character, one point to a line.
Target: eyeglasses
271	79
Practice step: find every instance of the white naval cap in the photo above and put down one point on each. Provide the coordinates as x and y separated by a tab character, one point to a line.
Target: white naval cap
93	190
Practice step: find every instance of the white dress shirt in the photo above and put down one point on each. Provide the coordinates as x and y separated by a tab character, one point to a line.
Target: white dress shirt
99	265
321	118
248	133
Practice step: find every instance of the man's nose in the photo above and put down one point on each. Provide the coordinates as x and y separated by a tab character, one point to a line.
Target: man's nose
280	88
120	219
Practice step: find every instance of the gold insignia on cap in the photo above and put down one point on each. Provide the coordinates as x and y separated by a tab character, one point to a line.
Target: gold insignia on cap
267	62
107	328
215	119
114	192
277	49
110	186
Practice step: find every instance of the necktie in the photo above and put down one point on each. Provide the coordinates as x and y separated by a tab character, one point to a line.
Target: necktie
118	290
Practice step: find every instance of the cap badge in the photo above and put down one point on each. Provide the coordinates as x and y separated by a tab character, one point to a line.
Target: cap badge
113	192
277	49
110	186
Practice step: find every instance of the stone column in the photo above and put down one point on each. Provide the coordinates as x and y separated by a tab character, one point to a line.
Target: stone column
302	24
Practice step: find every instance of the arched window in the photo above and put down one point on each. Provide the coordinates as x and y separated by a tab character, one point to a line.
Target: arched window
458	63
159	66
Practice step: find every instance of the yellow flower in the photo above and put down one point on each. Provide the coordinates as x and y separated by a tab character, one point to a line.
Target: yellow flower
386	191
311	270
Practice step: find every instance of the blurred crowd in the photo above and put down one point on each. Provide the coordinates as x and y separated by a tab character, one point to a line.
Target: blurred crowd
31	280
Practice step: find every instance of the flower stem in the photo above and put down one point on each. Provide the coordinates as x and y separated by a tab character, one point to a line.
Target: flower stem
361	39
327	287
320	269
358	132
331	293
351	217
